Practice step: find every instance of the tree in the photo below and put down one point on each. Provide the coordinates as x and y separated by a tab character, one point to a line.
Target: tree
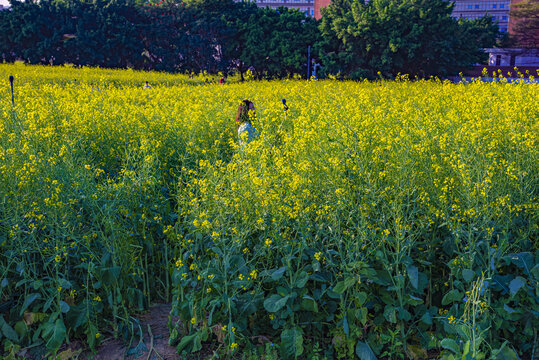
525	16
274	43
416	37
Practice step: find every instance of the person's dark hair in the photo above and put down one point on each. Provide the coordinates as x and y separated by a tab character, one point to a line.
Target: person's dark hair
243	112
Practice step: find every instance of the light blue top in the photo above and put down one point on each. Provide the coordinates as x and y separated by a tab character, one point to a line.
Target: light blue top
252	133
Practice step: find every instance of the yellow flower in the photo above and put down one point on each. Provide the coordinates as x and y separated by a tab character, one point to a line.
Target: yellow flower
253	274
268	242
97	298
233	346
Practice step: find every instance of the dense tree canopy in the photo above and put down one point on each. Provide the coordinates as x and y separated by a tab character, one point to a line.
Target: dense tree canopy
417	37
355	38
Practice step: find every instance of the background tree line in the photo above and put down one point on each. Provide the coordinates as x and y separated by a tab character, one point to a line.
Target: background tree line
354	39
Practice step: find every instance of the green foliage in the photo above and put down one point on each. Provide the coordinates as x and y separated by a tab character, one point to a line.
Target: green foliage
209	35
388	37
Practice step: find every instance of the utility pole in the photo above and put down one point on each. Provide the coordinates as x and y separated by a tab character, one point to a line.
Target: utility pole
12	97
309	62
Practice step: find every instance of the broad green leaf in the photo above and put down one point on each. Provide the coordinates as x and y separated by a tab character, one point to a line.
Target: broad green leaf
345	284
277	274
302	279
64	307
21	328
361	314
535	272
54	335
390	314
364	352
468	275
506	353
275	302
138	350
452	296
309	304
291	343
413	274
8	331
450	344
516	284
361	297
426	318
64	284
28	301
184	342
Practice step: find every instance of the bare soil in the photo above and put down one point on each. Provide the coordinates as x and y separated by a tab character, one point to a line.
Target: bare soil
156	318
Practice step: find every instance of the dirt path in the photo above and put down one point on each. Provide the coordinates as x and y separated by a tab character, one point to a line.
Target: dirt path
156	318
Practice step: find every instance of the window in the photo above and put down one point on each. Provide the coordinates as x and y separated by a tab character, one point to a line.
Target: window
469	6
504	17
504	29
477	6
501	6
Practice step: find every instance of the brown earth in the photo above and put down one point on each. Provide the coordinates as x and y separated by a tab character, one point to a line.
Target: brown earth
156	318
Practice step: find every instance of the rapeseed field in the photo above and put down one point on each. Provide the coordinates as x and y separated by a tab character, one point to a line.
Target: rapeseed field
388	219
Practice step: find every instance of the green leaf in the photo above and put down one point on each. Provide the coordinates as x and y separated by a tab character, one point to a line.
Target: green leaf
452	296
468	275
302	279
137	351
185	341
364	352
413	274
275	302
361	314
426	318
309	304
277	274
516	284
64	283
535	272
450	344
361	297
506	353
8	331
21	328
64	307
390	314
345	284
29	300
54	334
291	343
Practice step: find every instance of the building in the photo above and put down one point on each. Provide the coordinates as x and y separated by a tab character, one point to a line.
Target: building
474	9
512	57
319	4
304	6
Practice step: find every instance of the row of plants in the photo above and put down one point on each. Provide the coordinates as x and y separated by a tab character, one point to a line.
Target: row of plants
370	220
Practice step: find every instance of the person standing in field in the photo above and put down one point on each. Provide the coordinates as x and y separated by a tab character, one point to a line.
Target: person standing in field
147	85
246	131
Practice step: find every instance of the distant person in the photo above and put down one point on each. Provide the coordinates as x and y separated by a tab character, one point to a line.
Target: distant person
147	85
222	81
246	113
